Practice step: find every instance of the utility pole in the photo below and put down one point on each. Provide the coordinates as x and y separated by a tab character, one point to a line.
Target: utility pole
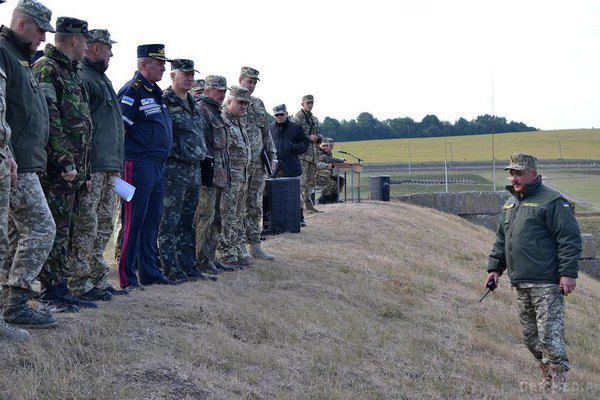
408	136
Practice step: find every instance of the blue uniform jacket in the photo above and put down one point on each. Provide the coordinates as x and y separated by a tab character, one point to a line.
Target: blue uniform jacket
148	125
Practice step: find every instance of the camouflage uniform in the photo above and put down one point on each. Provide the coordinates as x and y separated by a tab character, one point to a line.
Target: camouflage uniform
5	154
208	213
326	180
309	160
176	238
68	147
233	201
259	137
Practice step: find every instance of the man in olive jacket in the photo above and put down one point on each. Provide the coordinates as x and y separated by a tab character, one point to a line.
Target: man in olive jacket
96	208
539	243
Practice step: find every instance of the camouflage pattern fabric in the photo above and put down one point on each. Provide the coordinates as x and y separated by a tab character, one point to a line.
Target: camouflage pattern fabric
234	197
543	327
68	147
4	206
326	180
259	137
4	127
309	159
207	223
70	119
31	232
92	228
176	239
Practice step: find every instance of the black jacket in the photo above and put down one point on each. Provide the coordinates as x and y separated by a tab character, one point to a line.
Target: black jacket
26	110
290	141
108	132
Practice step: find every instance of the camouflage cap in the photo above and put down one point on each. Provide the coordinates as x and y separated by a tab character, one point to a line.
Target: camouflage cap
216	82
239	93
249	72
280	109
72	25
198	84
328	140
520	162
152	51
308	97
39	12
100	36
183	64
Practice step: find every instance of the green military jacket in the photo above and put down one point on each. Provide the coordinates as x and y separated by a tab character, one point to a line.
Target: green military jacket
188	129
70	119
238	146
310	126
108	133
257	129
538	238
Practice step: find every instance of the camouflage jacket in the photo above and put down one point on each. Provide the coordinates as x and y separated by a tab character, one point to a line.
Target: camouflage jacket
310	125
215	136
326	158
238	146
257	128
4	128
70	119
188	129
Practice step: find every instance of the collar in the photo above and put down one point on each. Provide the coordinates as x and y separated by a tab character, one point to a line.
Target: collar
56	54
149	87
23	47
210	101
99	66
529	189
170	93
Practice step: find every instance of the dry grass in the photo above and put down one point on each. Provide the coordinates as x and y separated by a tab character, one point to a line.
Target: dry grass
374	301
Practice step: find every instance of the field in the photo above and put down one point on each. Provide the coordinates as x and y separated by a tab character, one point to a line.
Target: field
581	144
370	301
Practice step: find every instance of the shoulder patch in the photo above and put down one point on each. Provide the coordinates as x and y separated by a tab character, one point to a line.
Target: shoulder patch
508	205
24	63
565	204
136	85
127	100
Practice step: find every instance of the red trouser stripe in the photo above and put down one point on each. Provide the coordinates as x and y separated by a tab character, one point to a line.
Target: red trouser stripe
128	177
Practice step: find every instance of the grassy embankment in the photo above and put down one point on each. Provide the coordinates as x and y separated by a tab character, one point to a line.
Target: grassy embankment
370	301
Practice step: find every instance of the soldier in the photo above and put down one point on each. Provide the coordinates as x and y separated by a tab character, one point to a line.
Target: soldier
182	176
216	176
68	156
539	243
257	129
148	140
310	125
325	177
93	226
197	89
31	227
233	201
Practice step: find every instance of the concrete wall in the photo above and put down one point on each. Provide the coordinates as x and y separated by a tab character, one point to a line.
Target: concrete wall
482	208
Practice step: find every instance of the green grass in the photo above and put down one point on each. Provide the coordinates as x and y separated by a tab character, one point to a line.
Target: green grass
559	144
591	225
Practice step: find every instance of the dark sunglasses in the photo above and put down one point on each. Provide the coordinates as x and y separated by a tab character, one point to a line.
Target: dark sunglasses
280	115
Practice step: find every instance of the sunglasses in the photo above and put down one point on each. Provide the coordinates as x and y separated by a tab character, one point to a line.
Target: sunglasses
279	115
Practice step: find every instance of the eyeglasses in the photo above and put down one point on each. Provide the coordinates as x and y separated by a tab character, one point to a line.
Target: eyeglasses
280	115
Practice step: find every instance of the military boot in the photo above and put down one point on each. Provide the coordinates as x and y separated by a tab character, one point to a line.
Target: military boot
244	251
310	207
257	252
12	332
52	302
559	381
19	313
546	383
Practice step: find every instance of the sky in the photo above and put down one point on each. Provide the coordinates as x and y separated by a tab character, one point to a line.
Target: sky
532	61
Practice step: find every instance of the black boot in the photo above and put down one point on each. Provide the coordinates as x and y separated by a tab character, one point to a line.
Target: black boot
51	302
20	314
67	296
96	294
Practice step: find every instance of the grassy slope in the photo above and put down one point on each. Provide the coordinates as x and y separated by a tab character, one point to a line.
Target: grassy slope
574	144
374	301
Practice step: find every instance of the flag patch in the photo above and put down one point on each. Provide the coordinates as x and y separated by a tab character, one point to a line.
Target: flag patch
127	100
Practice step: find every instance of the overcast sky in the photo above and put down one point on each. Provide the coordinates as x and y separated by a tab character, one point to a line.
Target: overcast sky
390	58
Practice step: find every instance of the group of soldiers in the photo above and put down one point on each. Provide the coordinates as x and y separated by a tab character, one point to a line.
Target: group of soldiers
197	160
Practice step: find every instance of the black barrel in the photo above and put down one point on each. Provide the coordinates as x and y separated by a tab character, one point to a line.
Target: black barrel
281	205
380	188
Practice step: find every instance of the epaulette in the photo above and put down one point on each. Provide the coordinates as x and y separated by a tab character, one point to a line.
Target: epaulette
136	85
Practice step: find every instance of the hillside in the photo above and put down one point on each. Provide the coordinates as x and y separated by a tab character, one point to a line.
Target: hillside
370	301
561	144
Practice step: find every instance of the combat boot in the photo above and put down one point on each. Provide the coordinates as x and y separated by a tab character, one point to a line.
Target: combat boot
19	313
96	294
244	261
12	332
224	267
244	251
51	302
559	381
115	292
210	268
310	207
257	252
546	383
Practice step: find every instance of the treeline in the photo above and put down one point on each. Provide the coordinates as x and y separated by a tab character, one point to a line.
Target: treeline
366	127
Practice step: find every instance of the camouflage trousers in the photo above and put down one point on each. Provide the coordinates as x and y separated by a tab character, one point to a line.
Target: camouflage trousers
254	201
543	327
207	223
308	181
92	227
176	237
31	232
233	231
59	267
4	206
